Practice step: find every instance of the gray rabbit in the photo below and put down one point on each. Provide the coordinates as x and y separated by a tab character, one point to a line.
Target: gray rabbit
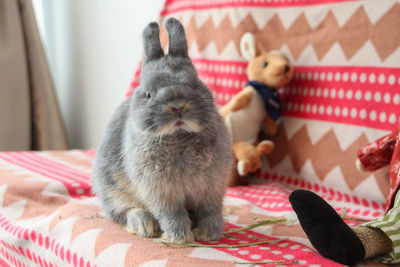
164	159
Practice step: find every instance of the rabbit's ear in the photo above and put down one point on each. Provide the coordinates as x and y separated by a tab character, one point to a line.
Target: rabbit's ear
151	42
248	46
177	39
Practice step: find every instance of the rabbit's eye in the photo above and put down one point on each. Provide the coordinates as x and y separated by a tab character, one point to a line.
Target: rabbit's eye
264	64
148	95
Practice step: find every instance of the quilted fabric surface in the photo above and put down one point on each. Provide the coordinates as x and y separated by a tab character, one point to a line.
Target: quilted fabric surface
48	217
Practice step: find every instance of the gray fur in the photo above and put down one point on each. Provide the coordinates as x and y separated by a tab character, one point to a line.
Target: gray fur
151	174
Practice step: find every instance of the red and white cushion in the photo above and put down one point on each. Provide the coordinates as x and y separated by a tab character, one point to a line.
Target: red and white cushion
345	92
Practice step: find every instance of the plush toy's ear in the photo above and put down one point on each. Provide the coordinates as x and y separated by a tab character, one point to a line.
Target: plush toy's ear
248	46
327	231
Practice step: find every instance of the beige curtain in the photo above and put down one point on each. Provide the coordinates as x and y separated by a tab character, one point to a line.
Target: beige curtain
29	115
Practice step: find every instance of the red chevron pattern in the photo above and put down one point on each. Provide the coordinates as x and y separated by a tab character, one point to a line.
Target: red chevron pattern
325	155
383	34
173	6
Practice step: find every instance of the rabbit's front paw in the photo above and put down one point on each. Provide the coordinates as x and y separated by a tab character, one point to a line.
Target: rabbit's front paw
142	223
206	234
181	237
209	228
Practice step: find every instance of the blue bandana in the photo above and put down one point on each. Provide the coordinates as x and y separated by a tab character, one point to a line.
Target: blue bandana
271	99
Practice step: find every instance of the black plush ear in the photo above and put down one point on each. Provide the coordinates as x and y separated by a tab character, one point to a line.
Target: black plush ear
328	233
177	38
151	42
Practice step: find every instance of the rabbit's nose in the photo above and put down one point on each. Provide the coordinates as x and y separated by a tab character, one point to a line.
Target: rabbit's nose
179	111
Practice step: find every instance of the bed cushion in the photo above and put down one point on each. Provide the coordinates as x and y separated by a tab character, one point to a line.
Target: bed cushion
48	217
345	92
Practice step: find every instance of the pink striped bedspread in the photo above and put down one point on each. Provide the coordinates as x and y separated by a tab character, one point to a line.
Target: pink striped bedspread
48	217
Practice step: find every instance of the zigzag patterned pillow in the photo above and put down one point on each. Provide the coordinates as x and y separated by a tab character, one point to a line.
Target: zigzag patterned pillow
345	92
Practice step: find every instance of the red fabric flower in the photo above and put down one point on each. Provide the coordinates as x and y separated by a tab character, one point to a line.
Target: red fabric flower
379	154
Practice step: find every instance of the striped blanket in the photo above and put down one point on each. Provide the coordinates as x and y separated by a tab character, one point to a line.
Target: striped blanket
48	217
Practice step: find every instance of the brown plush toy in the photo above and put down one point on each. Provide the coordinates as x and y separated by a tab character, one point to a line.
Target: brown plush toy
256	105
